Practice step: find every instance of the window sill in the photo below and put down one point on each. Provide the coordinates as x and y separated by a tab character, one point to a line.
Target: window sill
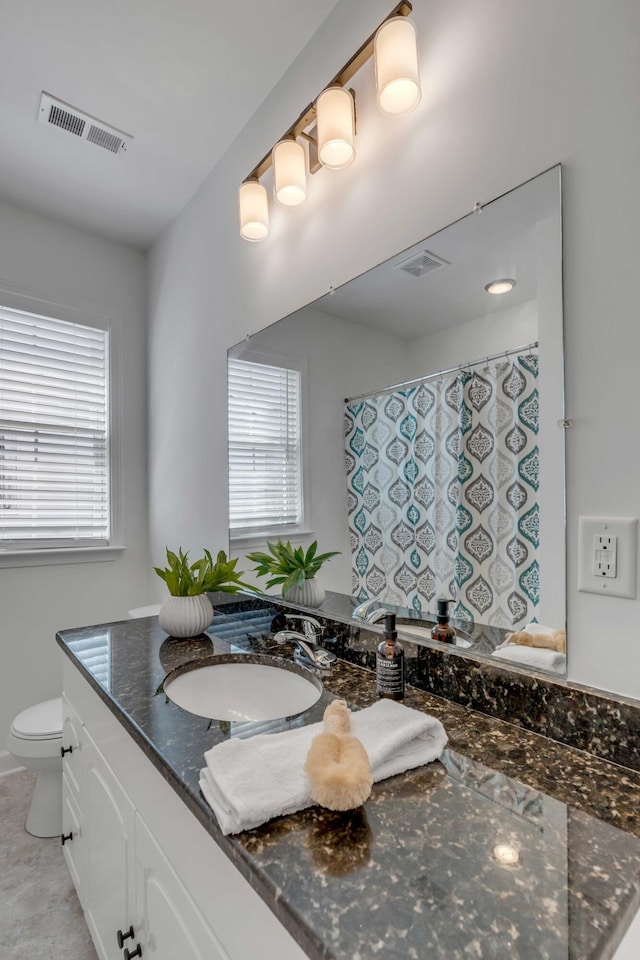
58	555
238	541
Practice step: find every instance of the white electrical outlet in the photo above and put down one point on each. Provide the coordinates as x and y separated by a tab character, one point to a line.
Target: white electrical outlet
607	555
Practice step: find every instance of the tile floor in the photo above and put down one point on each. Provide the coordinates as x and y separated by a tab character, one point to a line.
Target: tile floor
40	916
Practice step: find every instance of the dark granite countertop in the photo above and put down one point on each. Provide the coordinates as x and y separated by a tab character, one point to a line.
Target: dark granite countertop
413	873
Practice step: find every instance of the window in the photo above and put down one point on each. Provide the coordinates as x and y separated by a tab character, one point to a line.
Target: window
54	433
265	470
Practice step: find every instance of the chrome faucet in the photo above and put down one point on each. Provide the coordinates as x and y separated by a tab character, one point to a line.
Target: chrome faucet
311	628
377	615
361	611
364	612
308	652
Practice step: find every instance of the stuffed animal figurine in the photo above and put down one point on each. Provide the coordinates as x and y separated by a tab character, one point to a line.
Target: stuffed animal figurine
553	640
337	764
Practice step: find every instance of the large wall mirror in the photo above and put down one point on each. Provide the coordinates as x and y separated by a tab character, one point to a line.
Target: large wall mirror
412	420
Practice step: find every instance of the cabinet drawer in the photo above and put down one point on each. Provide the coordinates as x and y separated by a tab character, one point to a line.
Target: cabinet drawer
74	848
72	744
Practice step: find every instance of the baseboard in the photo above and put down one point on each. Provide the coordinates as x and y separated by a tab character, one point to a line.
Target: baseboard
8	764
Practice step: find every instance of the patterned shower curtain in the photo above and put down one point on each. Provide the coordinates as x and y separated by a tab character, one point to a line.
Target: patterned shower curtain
442	483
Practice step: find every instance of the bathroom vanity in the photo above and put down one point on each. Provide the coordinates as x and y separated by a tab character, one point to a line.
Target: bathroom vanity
513	845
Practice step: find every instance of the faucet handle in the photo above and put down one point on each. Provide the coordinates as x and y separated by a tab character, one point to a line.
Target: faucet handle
312	629
325	659
362	610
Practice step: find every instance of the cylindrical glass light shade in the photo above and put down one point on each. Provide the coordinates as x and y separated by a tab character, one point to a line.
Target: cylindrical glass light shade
254	211
289	173
396	64
336	128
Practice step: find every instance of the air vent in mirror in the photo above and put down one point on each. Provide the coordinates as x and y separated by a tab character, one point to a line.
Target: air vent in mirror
421	264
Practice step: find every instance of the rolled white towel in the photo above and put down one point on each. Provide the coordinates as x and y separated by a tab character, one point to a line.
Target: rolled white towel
247	782
538	657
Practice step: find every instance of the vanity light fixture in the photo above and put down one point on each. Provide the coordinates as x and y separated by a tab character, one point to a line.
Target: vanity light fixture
497	287
397	69
289	173
254	211
335	114
328	126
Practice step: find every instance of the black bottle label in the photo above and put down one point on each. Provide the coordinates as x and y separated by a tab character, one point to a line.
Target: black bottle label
390	676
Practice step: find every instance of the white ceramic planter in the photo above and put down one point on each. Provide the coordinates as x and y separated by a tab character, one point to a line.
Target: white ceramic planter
186	616
310	594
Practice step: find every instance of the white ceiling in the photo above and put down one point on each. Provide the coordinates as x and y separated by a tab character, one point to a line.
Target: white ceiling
182	76
497	243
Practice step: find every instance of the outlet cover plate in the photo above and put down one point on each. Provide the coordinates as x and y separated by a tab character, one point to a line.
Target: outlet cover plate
625	529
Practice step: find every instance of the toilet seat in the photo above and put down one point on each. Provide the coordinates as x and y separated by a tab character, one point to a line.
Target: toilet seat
40	722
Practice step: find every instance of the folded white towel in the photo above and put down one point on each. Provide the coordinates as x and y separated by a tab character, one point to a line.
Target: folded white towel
247	782
538	657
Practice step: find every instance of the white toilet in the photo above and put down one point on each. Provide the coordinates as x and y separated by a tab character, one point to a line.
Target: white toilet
35	740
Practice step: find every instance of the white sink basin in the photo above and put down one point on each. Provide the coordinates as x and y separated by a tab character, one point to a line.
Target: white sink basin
243	691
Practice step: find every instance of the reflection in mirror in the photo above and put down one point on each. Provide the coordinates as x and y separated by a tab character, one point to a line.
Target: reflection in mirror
410	419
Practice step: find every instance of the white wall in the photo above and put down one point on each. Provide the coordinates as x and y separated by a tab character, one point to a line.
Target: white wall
340	359
509	90
494	333
74	267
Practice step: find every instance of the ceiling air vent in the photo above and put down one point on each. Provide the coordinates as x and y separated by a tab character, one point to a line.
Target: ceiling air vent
56	113
421	264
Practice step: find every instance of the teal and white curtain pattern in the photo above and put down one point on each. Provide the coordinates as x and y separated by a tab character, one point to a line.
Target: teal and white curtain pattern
442	482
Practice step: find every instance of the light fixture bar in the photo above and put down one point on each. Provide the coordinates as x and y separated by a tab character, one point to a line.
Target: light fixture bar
365	52
308	117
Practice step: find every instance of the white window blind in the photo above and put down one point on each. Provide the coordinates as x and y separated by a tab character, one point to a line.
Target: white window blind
265	471
54	432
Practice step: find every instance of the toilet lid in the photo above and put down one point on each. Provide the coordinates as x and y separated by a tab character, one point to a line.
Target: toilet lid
40	722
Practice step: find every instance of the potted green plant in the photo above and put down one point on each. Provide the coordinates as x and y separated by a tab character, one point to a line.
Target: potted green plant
187	611
294	569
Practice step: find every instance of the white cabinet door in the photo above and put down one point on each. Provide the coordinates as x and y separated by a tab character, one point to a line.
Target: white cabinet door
72	832
109	820
171	926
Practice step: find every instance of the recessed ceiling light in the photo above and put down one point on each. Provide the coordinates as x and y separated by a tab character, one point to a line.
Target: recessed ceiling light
500	286
506	854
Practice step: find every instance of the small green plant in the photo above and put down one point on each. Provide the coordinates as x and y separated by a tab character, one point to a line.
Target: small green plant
287	566
184	579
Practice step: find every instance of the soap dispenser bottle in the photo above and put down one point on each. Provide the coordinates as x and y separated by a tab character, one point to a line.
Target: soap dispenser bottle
390	663
443	631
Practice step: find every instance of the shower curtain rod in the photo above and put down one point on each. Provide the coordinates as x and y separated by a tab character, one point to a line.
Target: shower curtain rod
443	373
